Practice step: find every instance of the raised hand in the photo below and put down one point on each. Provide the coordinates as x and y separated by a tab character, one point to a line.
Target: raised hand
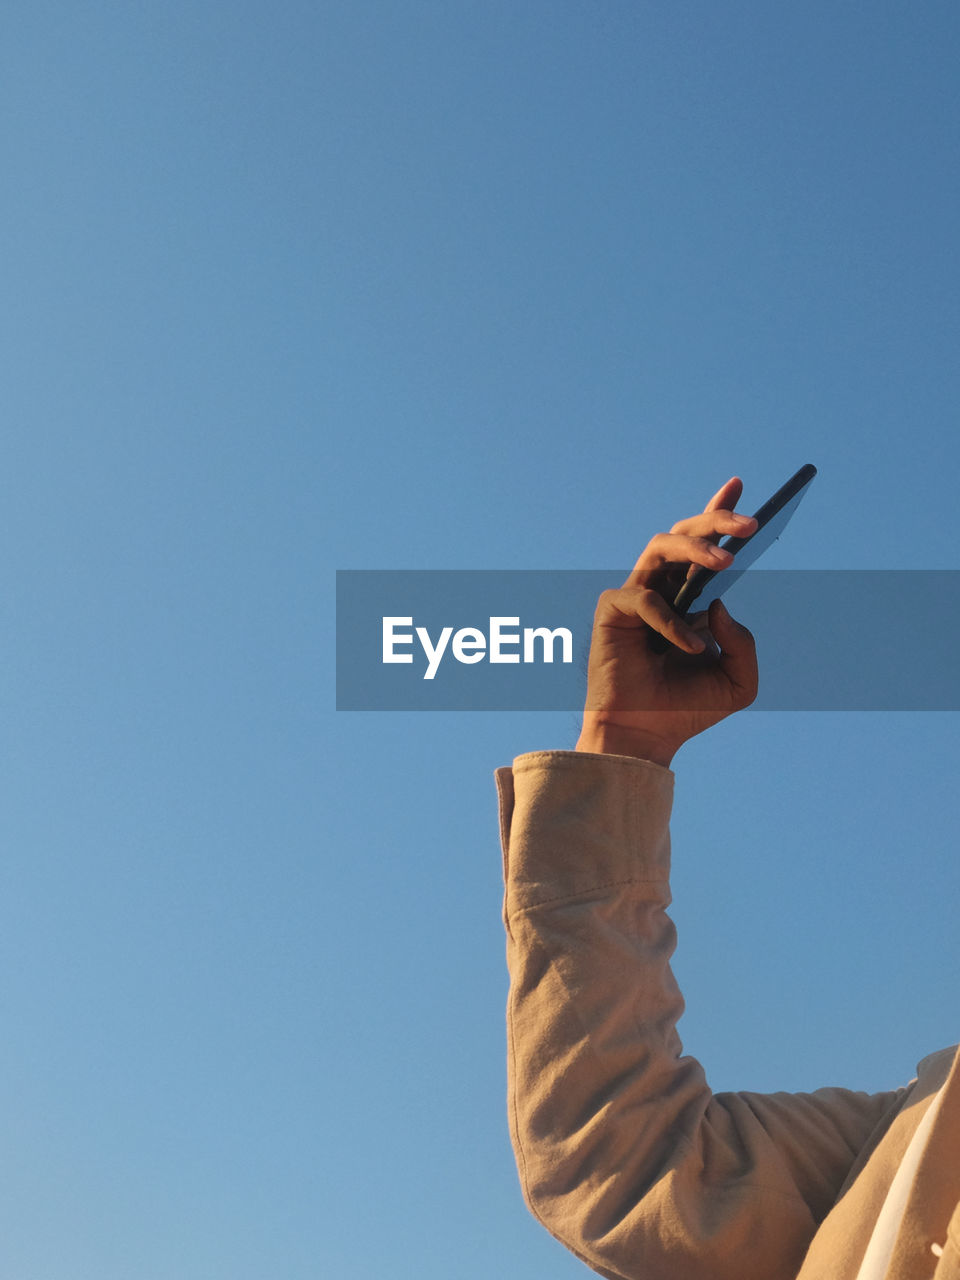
646	703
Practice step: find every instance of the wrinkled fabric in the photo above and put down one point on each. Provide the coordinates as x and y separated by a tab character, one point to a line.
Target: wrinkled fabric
623	1151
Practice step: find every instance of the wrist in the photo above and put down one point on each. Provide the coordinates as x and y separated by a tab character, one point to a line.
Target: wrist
602	738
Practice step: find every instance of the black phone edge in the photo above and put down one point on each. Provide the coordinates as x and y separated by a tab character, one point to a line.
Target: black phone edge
688	593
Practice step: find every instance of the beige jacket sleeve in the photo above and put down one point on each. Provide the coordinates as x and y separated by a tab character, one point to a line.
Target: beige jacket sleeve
624	1153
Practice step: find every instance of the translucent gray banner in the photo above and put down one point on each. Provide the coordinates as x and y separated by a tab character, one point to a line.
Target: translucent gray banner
517	640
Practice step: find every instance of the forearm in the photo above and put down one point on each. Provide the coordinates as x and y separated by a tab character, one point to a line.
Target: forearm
596	1084
577	907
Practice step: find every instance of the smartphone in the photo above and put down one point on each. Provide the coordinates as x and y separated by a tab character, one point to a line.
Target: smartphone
705	585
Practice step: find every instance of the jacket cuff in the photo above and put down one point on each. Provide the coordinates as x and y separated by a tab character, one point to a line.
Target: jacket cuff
572	822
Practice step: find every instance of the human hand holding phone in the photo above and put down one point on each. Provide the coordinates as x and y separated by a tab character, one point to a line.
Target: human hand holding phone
645	703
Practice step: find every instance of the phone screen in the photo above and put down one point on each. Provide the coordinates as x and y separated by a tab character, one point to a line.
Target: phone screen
705	585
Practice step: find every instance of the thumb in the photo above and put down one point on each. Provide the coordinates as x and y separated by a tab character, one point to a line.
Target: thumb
738	652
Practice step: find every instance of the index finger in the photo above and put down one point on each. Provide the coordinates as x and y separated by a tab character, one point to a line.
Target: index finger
726	497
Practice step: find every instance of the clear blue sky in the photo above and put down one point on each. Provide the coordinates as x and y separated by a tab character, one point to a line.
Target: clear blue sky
296	287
